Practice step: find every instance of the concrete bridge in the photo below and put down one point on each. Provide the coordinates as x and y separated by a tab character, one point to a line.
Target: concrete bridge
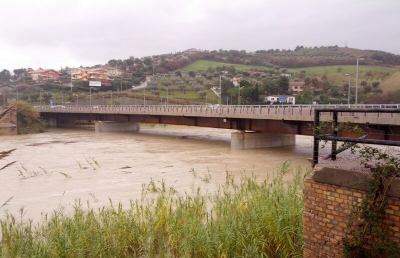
258	126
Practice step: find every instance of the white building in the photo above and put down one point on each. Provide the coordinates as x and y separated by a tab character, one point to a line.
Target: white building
280	99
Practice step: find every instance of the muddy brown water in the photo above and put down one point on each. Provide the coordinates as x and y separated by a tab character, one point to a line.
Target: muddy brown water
58	167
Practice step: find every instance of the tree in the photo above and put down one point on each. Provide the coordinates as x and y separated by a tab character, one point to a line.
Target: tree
5	75
375	84
192	74
202	94
283	85
305	97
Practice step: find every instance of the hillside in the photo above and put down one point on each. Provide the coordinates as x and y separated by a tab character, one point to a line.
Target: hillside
203	65
304	56
391	83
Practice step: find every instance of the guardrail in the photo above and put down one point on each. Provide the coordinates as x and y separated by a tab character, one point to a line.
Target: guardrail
334	135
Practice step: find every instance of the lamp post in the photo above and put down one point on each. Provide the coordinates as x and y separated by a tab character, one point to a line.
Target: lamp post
167	97
40	97
90	96
357	71
144	96
239	98
220	90
348	90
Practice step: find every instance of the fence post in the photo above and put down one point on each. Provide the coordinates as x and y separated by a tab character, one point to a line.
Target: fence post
335	133
316	137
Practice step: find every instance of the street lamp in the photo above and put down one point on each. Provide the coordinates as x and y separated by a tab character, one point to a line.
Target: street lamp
239	98
220	90
348	91
90	96
167	97
358	59
144	96
40	97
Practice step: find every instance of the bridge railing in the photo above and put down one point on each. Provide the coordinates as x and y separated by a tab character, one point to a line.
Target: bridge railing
278	112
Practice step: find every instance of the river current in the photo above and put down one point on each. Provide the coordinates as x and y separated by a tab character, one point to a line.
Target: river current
56	168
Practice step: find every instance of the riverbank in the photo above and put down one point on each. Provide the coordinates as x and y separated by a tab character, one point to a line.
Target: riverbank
243	219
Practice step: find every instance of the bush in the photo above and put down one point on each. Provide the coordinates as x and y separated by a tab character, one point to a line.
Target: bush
28	120
241	219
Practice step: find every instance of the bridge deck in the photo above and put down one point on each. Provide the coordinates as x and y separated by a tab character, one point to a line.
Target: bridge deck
304	113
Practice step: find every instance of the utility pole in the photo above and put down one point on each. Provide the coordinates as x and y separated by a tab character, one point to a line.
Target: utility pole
167	97
348	90
239	98
70	72
144	96
90	96
358	59
220	90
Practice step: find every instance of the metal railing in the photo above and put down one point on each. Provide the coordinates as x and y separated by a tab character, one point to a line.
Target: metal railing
334	135
274	112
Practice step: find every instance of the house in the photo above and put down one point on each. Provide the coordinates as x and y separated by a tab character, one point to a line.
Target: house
287	75
92	74
280	99
296	87
44	74
236	81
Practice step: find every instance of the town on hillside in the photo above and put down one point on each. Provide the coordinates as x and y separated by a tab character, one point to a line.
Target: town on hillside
326	75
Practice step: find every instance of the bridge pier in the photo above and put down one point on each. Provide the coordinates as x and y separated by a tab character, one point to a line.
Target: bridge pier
252	140
52	122
101	126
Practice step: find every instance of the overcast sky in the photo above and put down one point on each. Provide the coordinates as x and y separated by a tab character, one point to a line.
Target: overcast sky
55	33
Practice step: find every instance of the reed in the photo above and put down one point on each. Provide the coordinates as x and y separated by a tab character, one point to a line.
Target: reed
244	218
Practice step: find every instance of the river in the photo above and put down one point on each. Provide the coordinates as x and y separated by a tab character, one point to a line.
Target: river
58	167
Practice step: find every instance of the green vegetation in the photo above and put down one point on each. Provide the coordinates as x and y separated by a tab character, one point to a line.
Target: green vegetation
203	65
28	120
241	219
367	232
391	83
337	73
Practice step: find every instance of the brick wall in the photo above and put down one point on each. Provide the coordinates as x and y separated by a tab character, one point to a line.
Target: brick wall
327	206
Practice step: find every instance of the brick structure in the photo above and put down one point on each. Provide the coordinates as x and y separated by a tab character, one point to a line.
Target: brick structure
329	196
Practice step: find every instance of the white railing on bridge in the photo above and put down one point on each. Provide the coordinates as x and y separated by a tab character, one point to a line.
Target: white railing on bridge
273	112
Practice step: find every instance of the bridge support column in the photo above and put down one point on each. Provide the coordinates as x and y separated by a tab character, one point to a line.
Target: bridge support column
252	140
52	122
101	126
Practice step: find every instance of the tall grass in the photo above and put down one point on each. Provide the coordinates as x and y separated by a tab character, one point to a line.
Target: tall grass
244	218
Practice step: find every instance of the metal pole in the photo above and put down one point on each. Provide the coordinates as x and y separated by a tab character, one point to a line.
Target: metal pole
77	99
144	96
348	88
239	97
71	79
40	98
90	96
335	133
356	100
112	101
220	90
167	96
316	137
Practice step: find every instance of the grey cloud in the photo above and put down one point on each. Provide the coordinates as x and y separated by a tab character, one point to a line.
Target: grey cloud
53	33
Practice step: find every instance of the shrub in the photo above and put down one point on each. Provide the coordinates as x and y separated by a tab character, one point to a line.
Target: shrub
241	219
